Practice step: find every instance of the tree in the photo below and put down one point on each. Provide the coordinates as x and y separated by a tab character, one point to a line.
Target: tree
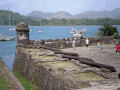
63	21
107	30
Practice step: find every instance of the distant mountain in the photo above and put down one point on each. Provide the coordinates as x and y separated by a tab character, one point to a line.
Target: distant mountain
40	14
118	16
89	14
93	14
4	16
62	14
35	20
58	15
115	12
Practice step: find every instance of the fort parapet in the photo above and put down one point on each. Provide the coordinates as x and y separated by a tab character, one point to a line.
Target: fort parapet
49	71
67	42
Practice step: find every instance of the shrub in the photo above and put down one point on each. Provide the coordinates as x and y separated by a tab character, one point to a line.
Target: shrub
115	35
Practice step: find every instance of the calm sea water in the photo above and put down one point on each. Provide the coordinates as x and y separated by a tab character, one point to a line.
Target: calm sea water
7	48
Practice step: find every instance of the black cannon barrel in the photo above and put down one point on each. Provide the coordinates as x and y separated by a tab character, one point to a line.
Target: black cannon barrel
54	49
98	65
91	63
66	53
76	58
70	57
49	48
87	59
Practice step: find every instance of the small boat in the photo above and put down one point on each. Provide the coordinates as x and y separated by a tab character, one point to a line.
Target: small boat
73	31
80	33
12	29
6	38
40	31
77	35
29	25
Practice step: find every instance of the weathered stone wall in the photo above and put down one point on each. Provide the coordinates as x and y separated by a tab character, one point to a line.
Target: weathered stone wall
26	66
22	37
67	42
8	76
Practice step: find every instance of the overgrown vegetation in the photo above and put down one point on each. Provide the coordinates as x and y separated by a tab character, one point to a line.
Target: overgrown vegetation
108	30
35	21
3	84
27	84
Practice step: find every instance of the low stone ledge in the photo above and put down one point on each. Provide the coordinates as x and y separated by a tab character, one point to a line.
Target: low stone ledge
13	82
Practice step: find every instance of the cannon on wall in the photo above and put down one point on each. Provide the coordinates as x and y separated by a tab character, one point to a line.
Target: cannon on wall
98	65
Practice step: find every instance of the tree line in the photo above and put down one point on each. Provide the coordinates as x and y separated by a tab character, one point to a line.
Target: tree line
35	21
61	22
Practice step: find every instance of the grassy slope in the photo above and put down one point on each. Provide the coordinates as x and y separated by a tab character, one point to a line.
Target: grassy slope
3	84
25	83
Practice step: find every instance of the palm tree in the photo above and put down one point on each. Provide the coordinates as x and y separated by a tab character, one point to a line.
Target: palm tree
107	30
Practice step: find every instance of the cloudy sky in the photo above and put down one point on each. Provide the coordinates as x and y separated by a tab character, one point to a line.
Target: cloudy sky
71	6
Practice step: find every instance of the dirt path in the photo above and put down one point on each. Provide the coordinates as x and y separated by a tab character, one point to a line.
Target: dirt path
106	55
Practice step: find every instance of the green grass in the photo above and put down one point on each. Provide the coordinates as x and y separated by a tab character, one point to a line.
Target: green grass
3	84
25	83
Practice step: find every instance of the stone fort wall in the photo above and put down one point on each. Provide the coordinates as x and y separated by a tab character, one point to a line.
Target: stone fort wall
34	69
67	42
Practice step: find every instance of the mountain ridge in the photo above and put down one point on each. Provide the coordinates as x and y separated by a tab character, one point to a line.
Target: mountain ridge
88	14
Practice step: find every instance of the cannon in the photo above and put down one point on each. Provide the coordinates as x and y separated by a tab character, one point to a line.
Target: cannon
91	63
66	53
49	48
77	58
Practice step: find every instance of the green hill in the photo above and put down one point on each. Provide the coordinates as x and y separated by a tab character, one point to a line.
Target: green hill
4	15
61	21
88	14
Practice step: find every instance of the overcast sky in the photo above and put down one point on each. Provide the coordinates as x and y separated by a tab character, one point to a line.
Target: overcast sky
71	6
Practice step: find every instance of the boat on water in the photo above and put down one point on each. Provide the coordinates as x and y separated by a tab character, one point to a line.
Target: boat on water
29	25
12	29
40	31
73	31
6	38
77	35
80	33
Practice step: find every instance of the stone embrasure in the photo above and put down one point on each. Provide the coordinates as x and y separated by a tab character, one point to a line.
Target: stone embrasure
51	71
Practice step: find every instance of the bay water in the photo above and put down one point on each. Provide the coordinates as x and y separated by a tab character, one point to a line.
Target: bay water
8	48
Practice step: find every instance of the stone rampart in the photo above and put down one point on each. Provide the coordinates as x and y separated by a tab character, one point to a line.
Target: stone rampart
27	66
48	74
51	72
67	42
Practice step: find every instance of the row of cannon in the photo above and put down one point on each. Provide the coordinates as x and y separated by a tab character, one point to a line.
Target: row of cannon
75	56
